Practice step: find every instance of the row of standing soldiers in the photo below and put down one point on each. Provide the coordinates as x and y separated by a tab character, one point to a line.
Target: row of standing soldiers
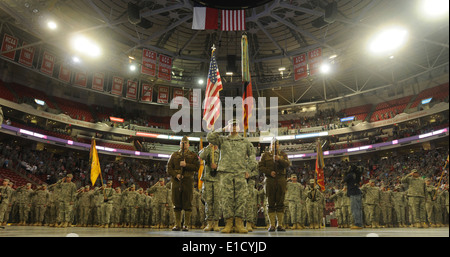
415	202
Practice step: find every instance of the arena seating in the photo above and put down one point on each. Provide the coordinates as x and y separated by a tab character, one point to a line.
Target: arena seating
74	109
360	112
388	110
5	93
438	93
31	93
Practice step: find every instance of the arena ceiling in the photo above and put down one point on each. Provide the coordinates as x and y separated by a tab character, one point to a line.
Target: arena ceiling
278	31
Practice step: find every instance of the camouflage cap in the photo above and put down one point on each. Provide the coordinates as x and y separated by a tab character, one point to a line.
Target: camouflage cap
414	171
185	139
233	122
6	180
69	175
293	176
110	182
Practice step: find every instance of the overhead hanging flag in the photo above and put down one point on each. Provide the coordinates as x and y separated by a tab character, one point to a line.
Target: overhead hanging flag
233	20
247	97
95	163
320	164
205	18
212	100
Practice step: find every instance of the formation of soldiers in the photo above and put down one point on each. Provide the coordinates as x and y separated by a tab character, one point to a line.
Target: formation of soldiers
415	202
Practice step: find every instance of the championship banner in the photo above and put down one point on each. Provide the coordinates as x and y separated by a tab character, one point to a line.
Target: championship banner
314	61
194	97
163	95
176	93
147	93
98	81
48	63
64	73
117	86
148	66
131	89
9	43
81	78
165	67
26	55
300	67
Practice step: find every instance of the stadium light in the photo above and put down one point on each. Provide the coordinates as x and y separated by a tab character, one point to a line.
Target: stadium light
85	46
52	25
388	40
325	68
433	9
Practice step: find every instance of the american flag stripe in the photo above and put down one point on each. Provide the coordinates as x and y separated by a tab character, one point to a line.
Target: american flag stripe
213	87
233	20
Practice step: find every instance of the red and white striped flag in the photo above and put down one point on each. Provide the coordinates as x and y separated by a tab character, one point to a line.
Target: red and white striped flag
212	100
233	20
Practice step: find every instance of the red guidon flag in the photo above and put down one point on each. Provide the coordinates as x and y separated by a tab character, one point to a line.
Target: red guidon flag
212	100
320	164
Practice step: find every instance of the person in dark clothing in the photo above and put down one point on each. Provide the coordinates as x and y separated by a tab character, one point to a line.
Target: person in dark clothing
352	178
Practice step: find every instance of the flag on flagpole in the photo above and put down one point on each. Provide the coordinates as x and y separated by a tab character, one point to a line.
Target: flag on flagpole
233	20
213	86
320	164
200	170
247	97
95	163
205	17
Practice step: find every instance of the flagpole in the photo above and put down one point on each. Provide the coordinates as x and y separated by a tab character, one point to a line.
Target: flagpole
440	180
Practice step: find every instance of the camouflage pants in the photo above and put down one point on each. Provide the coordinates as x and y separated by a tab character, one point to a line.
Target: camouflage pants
386	212
84	215
40	211
313	212
251	211
345	214
3	210
65	211
295	211
106	210
433	212
131	215
400	214
371	213
233	191
210	192
24	211
417	208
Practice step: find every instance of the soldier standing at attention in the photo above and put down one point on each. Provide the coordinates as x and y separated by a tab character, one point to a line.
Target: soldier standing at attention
67	194
372	198
181	167
107	204
159	202
23	196
211	187
313	204
294	196
5	201
85	202
237	157
42	199
274	164
416	197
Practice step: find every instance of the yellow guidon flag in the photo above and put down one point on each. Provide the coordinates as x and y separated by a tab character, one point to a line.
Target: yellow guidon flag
95	163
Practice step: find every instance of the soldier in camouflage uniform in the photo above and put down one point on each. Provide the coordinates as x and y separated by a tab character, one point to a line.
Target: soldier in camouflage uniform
84	197
52	207
160	202
294	192
67	195
196	202
117	208
314	199
431	204
142	201
386	204
338	200
23	199
6	193
131	204
147	210
416	197
210	188
273	166
399	201
107	203
372	197
41	201
237	159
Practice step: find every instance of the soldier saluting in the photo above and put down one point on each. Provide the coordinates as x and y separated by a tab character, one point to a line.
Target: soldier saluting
181	167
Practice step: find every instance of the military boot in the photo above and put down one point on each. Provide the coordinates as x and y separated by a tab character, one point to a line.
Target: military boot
239	227
177	226
272	221
228	226
209	226
249	226
216	226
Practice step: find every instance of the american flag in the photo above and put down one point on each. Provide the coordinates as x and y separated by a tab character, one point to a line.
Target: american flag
233	20
212	101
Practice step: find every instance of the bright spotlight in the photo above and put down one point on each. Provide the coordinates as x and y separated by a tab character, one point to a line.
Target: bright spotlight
325	68
52	25
132	67
200	81
86	46
434	8
75	59
388	40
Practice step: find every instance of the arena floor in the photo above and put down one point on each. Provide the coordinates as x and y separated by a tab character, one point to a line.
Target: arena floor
34	231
